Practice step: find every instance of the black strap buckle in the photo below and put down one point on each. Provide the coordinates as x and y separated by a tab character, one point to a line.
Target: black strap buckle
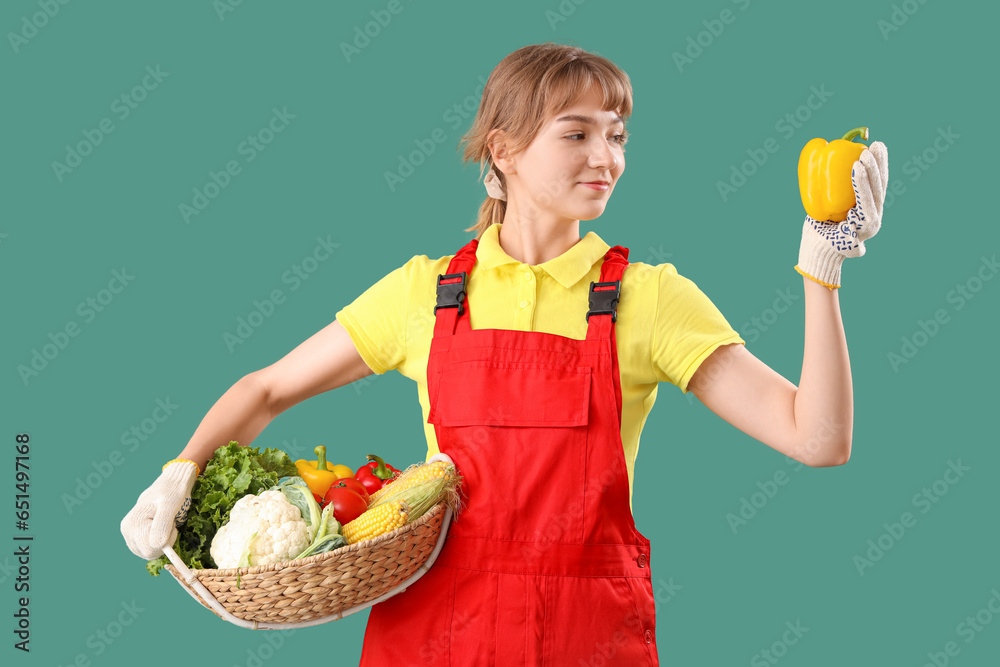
451	295
605	301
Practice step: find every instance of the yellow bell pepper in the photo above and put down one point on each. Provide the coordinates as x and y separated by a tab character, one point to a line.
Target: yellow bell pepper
341	470
317	474
825	175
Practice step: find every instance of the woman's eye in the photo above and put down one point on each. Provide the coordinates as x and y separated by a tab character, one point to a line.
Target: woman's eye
620	138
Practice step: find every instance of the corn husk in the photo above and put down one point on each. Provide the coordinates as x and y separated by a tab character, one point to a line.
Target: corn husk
422	496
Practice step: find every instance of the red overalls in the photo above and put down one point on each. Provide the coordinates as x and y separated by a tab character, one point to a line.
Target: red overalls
543	565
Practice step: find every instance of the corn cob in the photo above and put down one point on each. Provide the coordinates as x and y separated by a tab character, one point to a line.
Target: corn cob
375	522
414	476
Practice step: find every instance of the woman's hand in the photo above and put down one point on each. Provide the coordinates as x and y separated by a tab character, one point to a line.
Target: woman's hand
152	523
825	244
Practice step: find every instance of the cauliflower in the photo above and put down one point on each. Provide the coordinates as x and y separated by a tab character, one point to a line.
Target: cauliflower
261	530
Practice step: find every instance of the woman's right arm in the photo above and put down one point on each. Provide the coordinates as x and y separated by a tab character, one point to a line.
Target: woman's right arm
325	361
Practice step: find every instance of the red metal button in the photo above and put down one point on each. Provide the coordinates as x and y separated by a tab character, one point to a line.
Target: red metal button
649	637
641	560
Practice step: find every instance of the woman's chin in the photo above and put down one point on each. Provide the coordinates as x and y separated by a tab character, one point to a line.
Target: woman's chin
594	210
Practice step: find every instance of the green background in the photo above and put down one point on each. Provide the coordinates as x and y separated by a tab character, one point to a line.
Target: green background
724	596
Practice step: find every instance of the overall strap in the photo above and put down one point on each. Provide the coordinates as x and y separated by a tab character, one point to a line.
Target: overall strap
604	295
603	312
452	309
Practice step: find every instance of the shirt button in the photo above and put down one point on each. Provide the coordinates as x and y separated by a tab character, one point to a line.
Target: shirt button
524	304
527	275
649	637
641	560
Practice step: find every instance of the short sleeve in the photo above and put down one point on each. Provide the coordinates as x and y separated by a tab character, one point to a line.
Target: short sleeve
687	329
376	320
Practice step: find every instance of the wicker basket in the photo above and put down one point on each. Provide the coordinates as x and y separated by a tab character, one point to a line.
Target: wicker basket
321	588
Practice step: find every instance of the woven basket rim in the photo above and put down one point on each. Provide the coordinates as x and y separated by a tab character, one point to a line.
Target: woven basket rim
319	558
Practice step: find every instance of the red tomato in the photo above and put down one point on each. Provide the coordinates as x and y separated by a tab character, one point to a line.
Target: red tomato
347	503
352	484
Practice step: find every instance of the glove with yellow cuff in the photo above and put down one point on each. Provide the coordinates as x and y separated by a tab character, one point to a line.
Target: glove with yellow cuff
152	523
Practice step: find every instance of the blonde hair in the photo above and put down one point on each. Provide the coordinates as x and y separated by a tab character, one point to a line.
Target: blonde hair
526	88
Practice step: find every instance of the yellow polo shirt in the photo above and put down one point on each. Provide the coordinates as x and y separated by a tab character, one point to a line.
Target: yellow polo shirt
666	326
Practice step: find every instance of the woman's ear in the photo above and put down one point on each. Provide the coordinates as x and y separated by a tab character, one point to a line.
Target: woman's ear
499	153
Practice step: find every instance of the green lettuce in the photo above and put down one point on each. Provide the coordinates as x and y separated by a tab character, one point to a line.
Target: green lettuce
231	473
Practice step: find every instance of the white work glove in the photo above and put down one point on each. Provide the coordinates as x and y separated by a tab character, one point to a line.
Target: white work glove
152	524
825	244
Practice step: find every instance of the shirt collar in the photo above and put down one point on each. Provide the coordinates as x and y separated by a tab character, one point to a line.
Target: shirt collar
568	268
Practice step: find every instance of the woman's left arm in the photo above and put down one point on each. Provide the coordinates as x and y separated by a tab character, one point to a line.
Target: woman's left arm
813	422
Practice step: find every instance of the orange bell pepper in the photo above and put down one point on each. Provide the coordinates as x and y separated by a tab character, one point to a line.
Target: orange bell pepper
825	175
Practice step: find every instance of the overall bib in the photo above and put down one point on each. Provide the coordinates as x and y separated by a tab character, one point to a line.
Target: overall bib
543	565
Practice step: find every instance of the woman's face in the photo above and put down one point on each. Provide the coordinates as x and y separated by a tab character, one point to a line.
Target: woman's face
580	144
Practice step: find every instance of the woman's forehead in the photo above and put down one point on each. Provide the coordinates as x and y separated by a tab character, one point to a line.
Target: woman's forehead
588	114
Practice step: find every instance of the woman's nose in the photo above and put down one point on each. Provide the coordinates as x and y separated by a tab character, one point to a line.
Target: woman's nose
602	157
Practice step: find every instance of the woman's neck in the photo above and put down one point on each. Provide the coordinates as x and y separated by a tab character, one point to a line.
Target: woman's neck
535	244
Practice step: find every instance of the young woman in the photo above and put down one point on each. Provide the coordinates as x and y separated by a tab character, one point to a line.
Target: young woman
537	356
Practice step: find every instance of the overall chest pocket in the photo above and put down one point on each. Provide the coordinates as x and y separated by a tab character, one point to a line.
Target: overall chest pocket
520	431
496	393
